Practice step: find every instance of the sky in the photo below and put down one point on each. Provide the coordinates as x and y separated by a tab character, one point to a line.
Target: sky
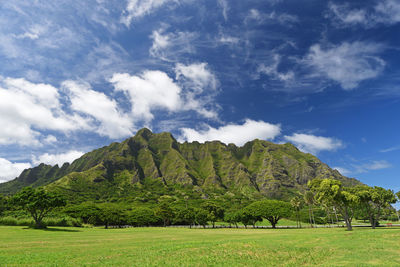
323	75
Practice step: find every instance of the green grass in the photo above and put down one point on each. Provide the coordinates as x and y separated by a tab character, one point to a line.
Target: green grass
198	247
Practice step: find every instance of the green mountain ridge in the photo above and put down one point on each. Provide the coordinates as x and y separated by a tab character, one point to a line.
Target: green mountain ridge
148	165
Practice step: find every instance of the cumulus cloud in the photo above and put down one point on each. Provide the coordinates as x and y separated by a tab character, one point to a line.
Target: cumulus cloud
155	90
348	63
10	170
137	9
113	122
26	108
314	144
60	159
169	46
238	134
384	12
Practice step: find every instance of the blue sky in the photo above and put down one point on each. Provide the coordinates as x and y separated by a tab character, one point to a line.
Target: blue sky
324	75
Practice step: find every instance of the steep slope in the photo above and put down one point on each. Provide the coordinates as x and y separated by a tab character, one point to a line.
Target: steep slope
148	165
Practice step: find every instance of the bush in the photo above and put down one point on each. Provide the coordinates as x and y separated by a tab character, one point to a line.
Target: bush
53	221
11	221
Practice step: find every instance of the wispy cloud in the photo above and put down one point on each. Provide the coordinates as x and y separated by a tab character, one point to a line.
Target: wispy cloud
390	149
171	46
384	12
374	165
347	63
137	9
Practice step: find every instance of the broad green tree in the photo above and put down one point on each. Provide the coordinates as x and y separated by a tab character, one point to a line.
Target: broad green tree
215	212
232	217
272	210
374	200
201	217
185	216
248	216
38	203
331	192
165	212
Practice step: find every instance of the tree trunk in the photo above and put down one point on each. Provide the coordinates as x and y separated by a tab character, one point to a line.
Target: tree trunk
347	219
309	215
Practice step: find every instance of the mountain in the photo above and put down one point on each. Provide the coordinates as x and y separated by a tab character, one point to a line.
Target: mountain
148	165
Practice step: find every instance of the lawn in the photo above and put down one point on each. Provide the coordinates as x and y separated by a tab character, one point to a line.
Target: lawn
199	247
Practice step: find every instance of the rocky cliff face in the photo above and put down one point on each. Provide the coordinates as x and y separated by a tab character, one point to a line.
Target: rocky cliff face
258	168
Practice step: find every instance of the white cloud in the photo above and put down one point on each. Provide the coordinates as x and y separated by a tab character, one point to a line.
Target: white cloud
197	79
155	90
148	91
26	108
238	134
198	75
170	46
343	14
10	170
225	8
113	122
272	17
225	39
347	63
136	9
272	70
50	139
390	149
343	171
314	144
364	167
60	159
388	11
384	12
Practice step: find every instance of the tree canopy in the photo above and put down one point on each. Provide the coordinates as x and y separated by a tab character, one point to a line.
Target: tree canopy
38	203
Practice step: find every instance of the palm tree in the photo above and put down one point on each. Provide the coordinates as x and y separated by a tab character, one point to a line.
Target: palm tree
297	204
309	199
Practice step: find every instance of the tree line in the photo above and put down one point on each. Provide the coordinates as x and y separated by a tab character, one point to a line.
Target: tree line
326	201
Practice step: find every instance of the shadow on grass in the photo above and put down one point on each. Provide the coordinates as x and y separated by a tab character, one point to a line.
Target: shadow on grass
53	229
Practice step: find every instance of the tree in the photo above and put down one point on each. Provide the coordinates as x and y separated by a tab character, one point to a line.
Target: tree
232	217
309	200
3	204
201	217
272	210
374	200
142	216
185	216
297	204
248	216
331	192
165	212
38	203
112	214
215	212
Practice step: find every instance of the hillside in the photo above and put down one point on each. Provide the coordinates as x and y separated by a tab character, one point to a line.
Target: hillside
149	165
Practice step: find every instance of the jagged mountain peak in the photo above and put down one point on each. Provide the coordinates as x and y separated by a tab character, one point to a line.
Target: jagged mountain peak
257	168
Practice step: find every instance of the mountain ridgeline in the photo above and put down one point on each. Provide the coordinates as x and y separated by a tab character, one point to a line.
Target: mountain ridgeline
149	165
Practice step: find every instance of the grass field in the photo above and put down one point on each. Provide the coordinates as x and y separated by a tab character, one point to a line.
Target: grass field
21	246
